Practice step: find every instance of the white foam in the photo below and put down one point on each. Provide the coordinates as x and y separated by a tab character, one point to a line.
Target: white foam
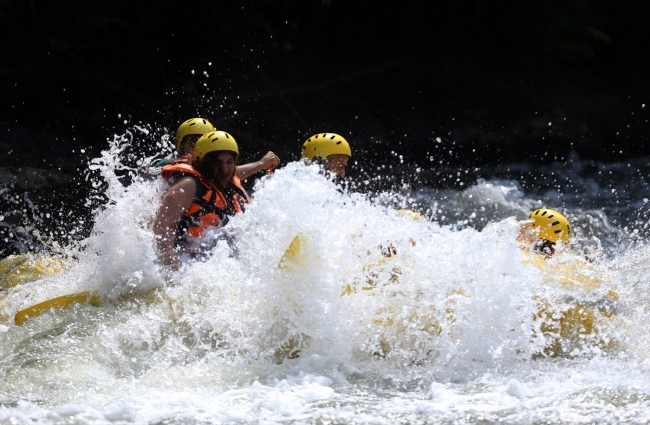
444	327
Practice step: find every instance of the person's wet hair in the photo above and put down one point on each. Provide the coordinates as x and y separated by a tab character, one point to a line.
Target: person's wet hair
207	164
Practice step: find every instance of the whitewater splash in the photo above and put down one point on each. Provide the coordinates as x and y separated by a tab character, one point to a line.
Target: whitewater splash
383	316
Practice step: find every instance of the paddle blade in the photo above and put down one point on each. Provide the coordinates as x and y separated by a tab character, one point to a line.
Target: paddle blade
292	254
58	302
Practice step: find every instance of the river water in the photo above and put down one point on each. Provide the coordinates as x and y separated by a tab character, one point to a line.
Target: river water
456	326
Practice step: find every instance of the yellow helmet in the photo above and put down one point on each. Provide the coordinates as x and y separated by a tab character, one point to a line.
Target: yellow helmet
552	225
198	126
215	141
324	145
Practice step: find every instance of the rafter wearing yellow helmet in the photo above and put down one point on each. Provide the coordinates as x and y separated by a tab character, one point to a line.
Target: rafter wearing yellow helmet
552	225
331	149
544	228
189	132
215	141
203	195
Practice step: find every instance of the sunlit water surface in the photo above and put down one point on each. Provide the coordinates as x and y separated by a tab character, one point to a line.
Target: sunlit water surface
444	331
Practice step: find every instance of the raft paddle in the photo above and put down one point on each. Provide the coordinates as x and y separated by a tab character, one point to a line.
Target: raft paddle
291	256
58	302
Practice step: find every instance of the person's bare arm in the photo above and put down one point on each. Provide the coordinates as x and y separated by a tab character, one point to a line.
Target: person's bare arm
176	201
268	162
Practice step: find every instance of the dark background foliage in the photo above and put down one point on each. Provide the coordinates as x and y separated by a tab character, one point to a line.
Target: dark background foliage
440	83
486	77
471	71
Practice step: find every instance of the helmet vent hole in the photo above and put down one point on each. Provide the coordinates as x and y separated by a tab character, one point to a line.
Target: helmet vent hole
558	231
550	216
192	124
338	143
332	138
537	212
544	213
555	223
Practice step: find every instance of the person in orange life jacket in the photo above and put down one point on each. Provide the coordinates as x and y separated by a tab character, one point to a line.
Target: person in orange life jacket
330	150
205	194
543	229
191	130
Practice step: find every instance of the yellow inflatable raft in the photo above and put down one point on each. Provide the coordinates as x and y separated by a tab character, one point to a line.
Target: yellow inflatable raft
579	314
573	319
18	269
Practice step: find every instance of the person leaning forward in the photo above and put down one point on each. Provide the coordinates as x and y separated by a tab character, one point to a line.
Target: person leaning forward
205	194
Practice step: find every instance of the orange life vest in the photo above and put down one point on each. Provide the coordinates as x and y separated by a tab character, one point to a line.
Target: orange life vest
211	207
